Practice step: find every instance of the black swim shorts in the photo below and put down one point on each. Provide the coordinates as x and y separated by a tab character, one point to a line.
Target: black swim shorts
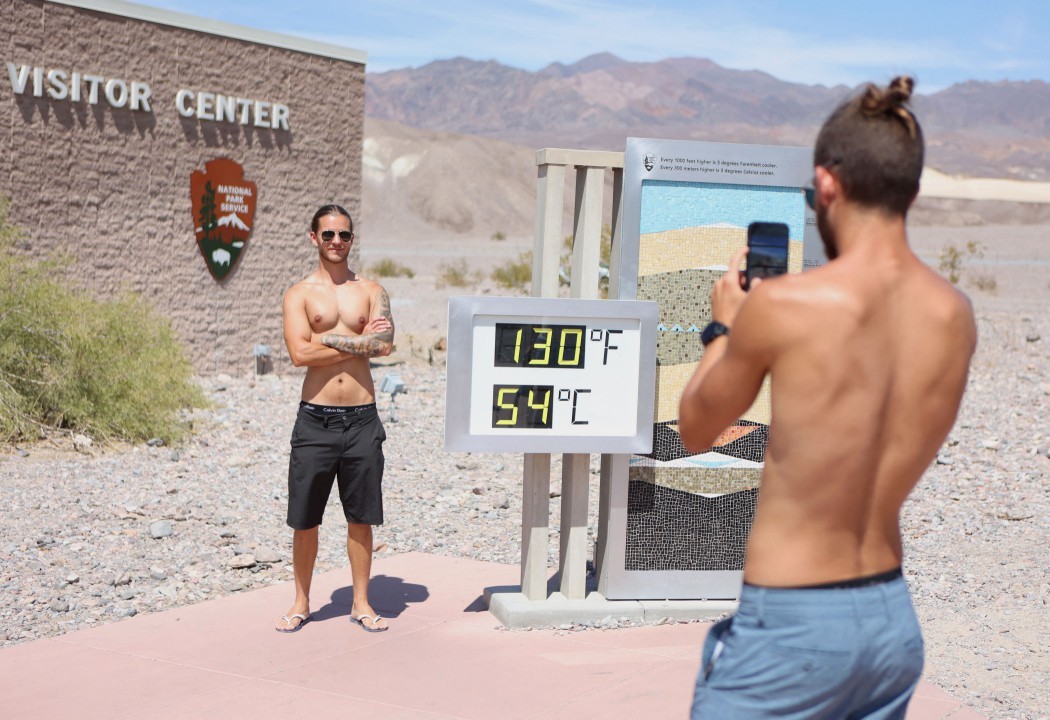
330	442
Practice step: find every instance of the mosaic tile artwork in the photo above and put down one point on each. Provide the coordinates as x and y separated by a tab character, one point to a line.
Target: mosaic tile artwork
693	511
666	534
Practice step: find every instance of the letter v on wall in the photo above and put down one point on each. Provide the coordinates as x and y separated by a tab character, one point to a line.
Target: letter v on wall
19	77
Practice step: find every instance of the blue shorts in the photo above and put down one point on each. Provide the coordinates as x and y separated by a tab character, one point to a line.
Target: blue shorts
812	653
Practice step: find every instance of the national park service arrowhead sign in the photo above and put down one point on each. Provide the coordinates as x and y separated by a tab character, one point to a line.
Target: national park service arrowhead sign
223	213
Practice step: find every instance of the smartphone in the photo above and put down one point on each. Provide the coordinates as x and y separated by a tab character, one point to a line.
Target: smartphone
767	255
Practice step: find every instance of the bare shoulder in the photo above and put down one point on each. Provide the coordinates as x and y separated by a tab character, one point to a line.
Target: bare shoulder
773	317
310	282
300	290
950	304
378	299
777	300
296	292
369	286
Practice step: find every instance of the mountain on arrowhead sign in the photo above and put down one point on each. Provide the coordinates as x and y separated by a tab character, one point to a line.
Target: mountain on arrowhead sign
223	213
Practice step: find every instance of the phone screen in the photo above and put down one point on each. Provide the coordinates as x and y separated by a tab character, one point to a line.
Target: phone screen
767	255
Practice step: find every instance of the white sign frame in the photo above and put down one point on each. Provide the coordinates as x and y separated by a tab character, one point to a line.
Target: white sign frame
470	367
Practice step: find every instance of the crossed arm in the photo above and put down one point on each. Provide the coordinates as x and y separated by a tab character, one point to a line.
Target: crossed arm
375	340
308	349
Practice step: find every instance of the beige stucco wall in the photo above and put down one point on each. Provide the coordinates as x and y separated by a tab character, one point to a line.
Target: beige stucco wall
111	187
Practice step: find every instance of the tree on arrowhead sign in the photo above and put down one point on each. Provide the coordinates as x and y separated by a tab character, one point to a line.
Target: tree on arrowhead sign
223	213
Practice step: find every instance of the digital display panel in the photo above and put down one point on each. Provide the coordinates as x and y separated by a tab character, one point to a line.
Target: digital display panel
522	406
540	346
549	375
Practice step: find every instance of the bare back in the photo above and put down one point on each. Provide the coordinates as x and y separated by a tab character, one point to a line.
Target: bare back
868	359
315	307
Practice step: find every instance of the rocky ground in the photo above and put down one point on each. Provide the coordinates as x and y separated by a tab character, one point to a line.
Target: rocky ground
90	534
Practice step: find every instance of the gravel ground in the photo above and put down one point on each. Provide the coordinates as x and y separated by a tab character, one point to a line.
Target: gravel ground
96	534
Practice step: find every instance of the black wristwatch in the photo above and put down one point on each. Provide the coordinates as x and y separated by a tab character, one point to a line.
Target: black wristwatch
713	330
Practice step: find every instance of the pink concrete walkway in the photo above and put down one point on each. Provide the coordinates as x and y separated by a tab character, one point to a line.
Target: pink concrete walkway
444	657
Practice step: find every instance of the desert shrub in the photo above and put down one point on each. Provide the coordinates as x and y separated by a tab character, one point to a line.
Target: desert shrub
108	368
985	282
515	274
951	260
499	235
456	274
386	267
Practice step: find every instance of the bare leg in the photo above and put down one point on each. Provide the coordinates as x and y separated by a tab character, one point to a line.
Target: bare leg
304	554
359	550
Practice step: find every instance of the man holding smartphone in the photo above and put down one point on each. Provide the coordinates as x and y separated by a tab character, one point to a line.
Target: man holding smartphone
868	358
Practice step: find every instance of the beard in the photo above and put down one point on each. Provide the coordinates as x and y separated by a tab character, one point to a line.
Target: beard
827	234
334	257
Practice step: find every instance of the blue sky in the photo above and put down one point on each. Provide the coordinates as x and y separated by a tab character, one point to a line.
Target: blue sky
826	42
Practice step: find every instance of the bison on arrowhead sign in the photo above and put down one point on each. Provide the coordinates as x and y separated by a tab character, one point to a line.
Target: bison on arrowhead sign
223	212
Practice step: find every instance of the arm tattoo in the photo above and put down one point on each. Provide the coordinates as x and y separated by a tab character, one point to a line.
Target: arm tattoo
371	345
360	345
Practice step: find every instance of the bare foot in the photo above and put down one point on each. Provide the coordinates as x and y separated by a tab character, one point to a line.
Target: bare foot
379	546
294	620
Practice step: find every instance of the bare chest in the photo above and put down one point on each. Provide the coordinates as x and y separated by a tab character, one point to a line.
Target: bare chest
345	307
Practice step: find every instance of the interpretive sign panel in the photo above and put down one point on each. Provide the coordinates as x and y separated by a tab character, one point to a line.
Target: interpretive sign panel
684	517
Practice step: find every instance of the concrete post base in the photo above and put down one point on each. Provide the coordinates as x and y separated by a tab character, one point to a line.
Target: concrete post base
514	610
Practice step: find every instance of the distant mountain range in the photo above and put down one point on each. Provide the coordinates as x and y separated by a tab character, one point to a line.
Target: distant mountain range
974	128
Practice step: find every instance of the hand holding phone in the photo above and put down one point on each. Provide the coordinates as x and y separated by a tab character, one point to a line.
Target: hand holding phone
767	251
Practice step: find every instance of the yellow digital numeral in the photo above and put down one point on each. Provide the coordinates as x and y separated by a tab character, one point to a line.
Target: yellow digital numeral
512	406
517	345
561	347
545	346
545	407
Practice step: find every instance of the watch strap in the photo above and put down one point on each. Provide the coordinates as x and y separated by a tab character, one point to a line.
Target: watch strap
713	330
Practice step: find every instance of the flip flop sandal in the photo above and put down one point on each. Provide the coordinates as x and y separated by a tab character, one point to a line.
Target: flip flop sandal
360	620
303	619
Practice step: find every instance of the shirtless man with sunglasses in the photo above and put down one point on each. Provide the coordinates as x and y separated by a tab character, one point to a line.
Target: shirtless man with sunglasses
334	321
868	358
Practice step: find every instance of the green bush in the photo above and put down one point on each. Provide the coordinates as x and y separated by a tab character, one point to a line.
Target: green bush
951	260
456	274
108	368
515	274
386	267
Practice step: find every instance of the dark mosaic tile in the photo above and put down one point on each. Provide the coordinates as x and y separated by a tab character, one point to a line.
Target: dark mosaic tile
672	530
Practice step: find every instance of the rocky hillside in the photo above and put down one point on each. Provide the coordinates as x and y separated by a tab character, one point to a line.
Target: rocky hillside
450	147
974	128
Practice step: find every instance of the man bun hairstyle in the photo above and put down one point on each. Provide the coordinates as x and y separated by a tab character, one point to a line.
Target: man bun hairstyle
890	101
330	210
874	145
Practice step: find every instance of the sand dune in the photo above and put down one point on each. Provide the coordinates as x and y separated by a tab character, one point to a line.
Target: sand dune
935	184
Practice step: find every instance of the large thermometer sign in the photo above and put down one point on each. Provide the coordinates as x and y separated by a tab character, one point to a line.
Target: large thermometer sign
550	375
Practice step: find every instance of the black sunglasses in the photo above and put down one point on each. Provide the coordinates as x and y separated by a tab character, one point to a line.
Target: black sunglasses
329	235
